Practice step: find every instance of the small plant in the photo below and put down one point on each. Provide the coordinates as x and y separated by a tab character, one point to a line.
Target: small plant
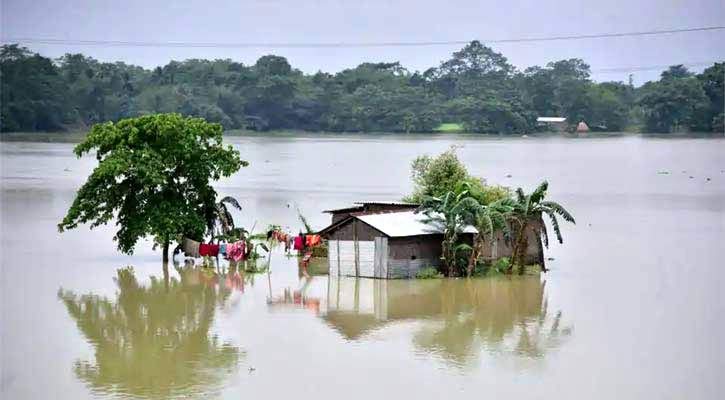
428	273
496	267
501	265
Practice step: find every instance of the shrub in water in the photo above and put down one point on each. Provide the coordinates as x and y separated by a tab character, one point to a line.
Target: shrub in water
428	273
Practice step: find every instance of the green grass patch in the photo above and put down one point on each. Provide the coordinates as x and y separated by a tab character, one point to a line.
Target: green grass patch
449	127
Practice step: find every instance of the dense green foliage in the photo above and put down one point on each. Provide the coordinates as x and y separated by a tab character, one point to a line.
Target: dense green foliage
436	176
153	177
452	200
476	90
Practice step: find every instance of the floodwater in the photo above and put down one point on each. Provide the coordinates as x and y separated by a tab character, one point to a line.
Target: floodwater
632	307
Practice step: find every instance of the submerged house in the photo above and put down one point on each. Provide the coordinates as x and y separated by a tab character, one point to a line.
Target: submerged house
393	241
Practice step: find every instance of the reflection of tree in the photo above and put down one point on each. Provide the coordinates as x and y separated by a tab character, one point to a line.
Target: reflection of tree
152	341
499	315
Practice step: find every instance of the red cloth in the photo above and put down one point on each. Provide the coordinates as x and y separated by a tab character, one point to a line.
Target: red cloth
299	244
211	250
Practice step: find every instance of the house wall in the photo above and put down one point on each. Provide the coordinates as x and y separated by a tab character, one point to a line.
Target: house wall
534	249
347	231
408	255
339	216
363	258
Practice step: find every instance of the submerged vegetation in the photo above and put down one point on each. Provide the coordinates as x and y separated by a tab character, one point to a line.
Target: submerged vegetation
453	200
428	273
475	90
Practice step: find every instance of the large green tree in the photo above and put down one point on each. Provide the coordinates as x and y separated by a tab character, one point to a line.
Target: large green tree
153	177
675	103
32	92
712	83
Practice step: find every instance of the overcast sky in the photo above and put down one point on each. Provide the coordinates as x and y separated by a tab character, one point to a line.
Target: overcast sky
324	21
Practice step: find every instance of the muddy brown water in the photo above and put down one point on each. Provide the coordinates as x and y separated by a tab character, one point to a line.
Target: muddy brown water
632	308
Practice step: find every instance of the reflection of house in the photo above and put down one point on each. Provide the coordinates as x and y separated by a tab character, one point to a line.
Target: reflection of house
385	242
455	317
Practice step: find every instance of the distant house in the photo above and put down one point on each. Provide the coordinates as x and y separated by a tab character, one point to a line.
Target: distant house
552	124
391	243
582	127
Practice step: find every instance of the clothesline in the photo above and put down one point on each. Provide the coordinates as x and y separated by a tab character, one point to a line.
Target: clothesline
239	251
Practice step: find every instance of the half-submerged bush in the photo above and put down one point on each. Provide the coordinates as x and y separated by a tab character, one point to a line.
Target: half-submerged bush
428	273
501	267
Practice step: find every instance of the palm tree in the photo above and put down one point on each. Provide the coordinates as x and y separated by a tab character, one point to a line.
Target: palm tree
449	214
532	207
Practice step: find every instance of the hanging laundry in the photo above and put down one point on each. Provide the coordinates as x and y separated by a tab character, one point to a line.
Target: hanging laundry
313	240
210	250
299	243
190	247
282	237
223	249
235	251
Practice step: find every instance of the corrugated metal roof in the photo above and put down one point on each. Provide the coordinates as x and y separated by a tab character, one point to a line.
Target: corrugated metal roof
387	203
353	208
550	119
403	224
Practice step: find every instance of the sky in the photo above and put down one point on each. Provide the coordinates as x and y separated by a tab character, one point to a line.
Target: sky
326	21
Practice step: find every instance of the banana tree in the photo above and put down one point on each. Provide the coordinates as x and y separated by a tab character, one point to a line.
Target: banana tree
449	214
222	221
487	219
532	207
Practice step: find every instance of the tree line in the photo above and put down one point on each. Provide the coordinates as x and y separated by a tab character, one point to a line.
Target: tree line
476	88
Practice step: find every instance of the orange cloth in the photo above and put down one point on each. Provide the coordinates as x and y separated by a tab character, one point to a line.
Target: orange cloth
313	240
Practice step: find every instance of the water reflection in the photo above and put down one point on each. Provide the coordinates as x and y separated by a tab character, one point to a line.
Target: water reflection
457	318
153	341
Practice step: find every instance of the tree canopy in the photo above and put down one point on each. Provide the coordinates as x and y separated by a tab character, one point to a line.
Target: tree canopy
154	177
476	88
436	176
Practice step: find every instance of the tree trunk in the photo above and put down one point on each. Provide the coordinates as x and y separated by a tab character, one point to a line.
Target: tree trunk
475	252
166	275
451	256
517	247
522	257
166	252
